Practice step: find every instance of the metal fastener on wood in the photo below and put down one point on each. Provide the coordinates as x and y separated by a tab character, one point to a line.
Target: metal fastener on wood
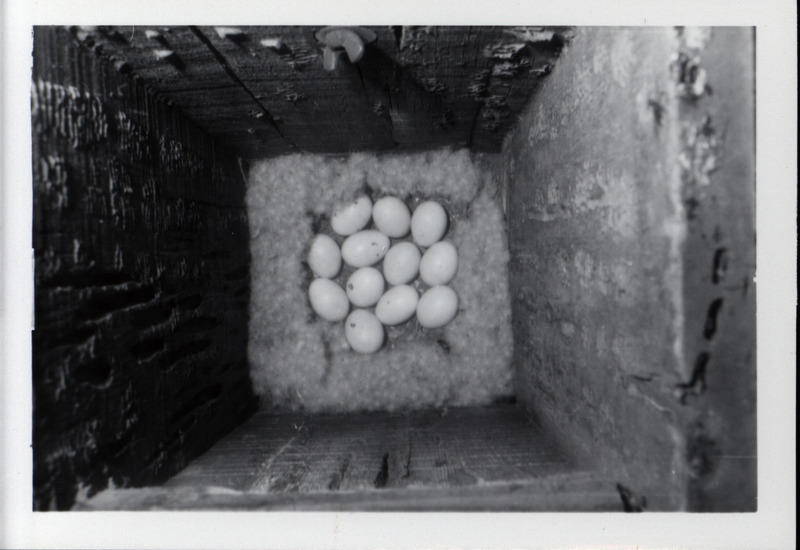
350	39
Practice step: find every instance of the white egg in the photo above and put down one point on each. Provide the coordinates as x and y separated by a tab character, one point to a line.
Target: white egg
397	305
324	257
363	331
391	217
365	287
437	307
365	248
428	223
328	300
351	217
439	263
401	263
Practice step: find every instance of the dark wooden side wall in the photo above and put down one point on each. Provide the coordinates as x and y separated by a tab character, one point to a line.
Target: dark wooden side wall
141	279
631	231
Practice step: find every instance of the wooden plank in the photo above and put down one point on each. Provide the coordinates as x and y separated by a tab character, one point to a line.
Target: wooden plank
416	88
486	74
327	103
296	453
444	61
476	447
190	78
572	492
138	357
300	453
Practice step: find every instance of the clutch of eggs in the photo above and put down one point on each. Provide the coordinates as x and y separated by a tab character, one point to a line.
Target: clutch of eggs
387	296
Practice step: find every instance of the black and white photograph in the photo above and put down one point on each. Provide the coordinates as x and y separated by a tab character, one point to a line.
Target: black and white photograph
368	271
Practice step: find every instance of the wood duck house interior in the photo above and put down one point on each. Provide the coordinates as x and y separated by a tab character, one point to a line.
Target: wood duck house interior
394	268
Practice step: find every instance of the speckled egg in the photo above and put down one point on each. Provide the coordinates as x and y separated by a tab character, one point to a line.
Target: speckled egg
328	300
365	248
324	257
351	217
437	307
363	332
391	217
401	263
428	223
397	305
439	263
365	287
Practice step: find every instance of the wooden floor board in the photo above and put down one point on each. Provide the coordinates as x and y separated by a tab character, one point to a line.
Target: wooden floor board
288	453
471	459
572	492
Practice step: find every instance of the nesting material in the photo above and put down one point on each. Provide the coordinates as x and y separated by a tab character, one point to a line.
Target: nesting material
301	362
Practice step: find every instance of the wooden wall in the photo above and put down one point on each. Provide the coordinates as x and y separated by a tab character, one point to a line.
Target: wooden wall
141	280
630	208
718	181
631	228
416	88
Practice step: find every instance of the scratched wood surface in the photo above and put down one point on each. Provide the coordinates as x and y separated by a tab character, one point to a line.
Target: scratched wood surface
141	280
572	492
295	453
416	88
469	459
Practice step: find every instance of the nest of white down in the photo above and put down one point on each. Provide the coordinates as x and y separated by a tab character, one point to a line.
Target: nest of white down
301	362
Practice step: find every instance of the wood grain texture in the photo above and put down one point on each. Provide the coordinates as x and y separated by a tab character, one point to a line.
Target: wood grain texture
141	280
295	453
573	492
634	327
719	182
594	317
416	88
469	459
